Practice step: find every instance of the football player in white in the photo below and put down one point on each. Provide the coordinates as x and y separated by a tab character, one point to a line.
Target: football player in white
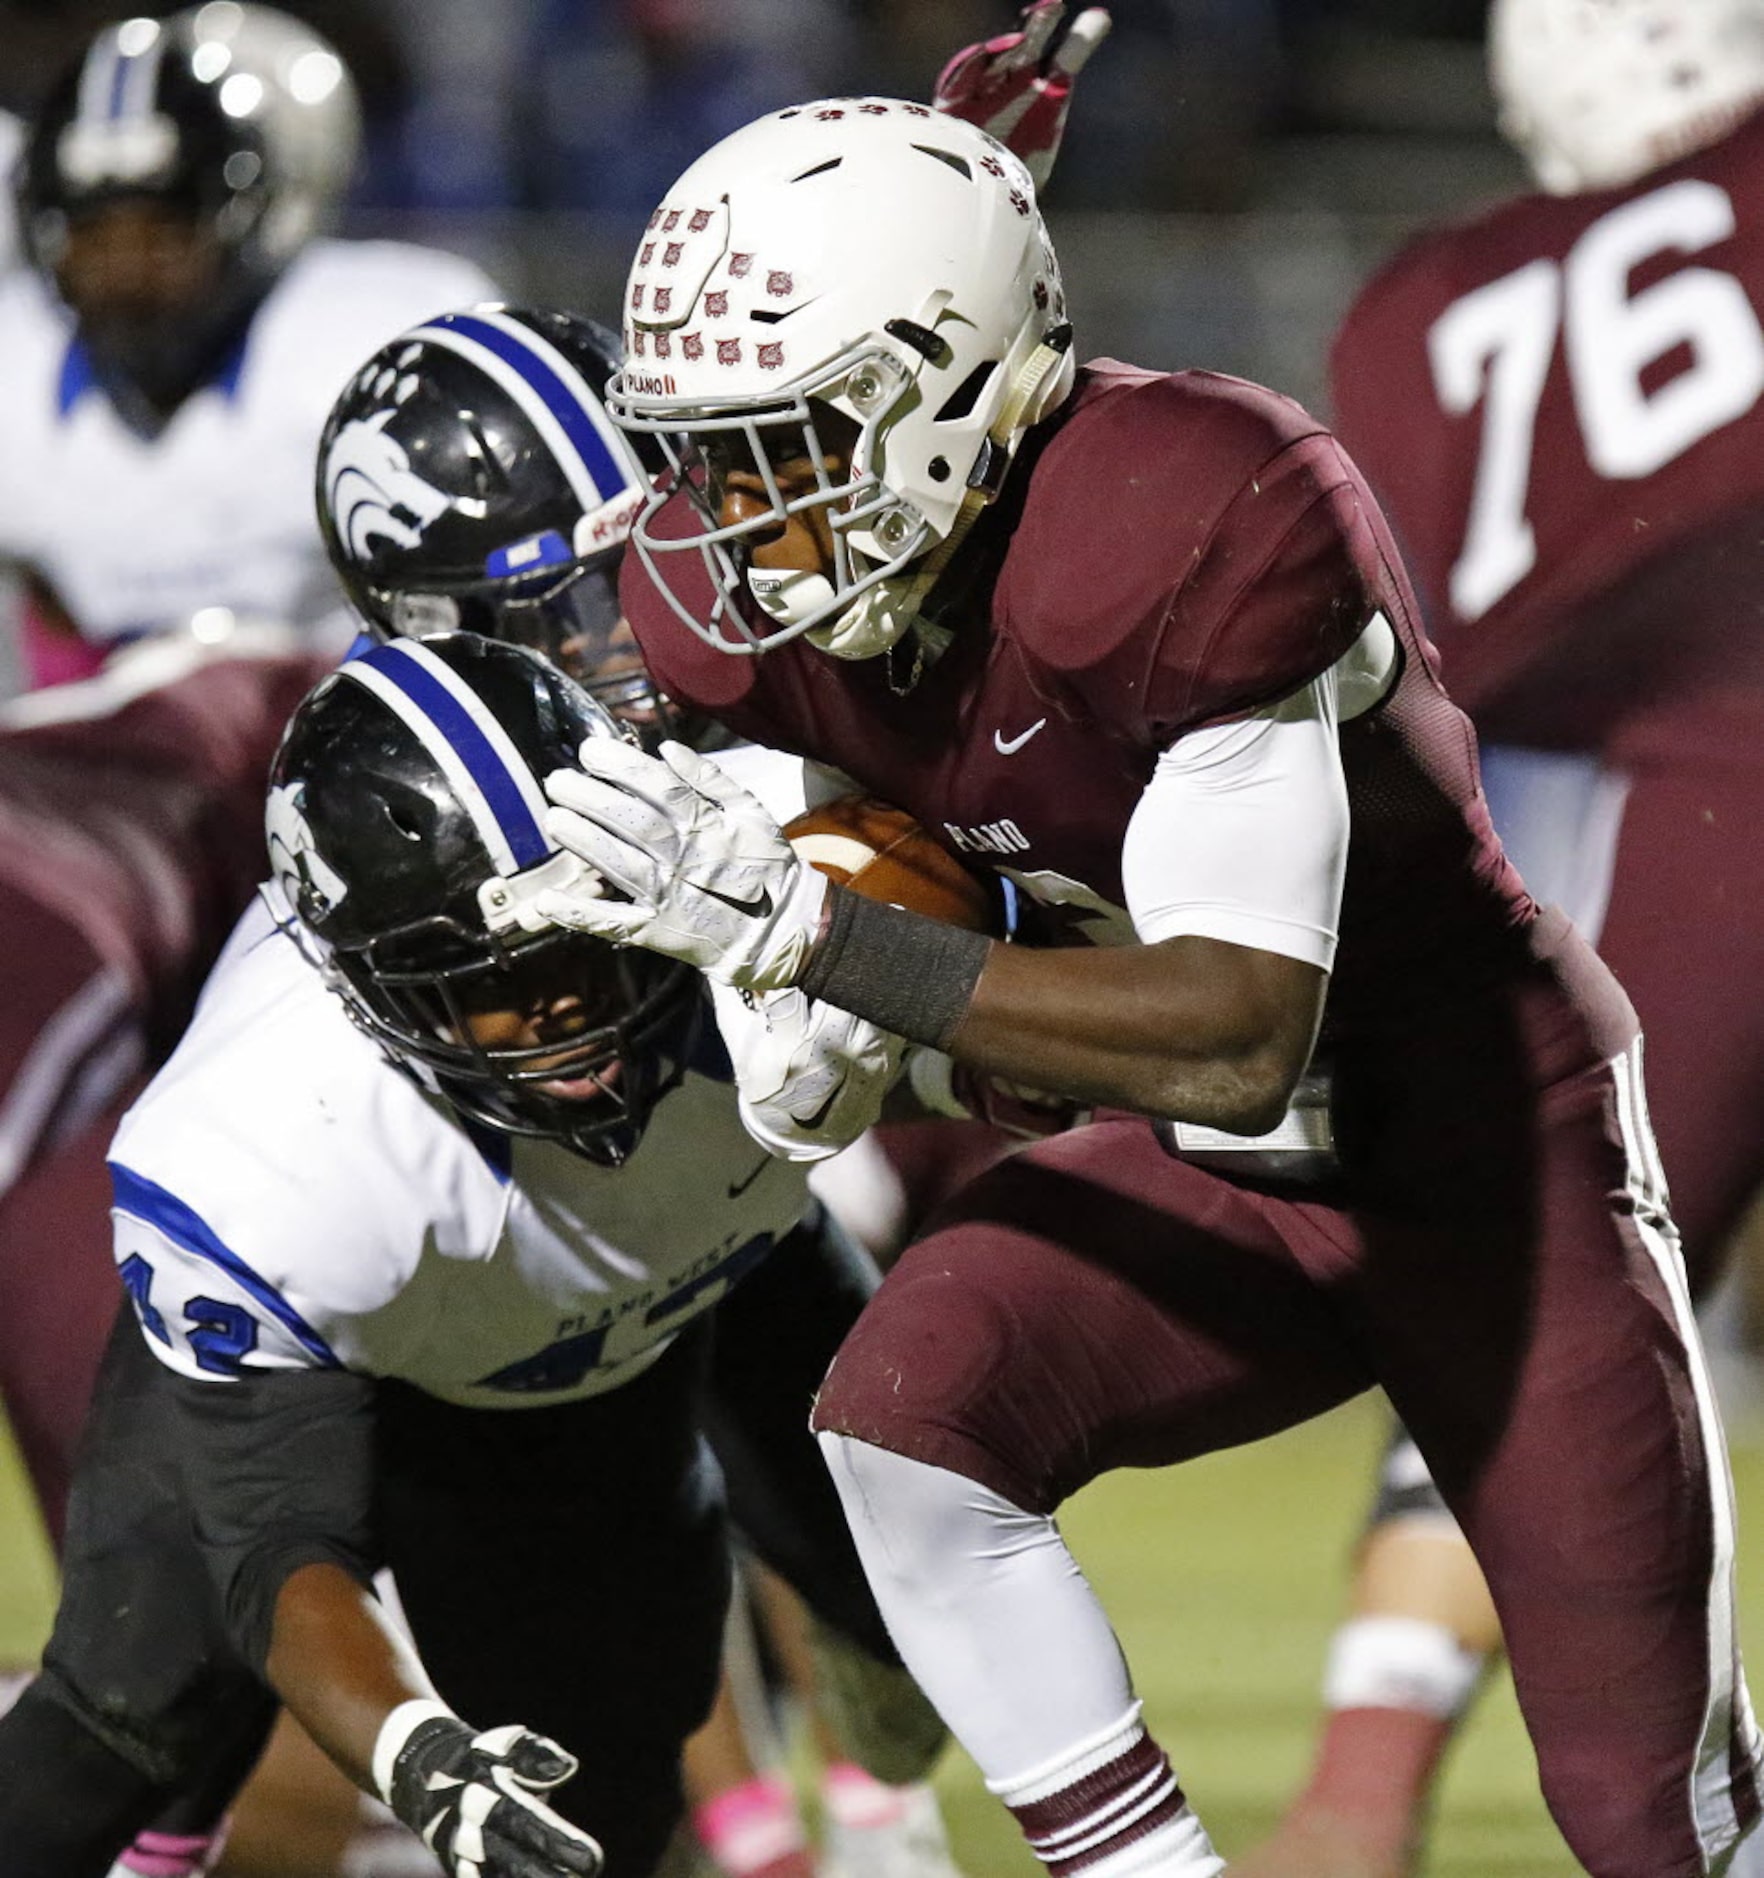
424	1221
170	352
169	357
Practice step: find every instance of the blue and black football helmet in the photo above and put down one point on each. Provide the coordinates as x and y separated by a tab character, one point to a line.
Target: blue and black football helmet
469	479
236	120
406	837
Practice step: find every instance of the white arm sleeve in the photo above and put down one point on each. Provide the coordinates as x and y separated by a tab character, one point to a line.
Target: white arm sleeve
1242	833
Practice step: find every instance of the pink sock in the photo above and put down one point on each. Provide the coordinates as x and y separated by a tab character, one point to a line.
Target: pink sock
754	1830
1373	1772
170	1855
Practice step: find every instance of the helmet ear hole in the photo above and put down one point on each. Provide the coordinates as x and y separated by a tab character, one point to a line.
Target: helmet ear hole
961	402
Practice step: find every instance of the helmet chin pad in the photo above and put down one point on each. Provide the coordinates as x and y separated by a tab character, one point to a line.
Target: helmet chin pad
878	618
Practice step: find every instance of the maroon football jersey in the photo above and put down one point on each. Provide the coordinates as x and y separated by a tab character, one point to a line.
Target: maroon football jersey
1174	550
142	828
1558	405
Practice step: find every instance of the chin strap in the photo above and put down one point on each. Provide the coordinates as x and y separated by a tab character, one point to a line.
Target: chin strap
890	610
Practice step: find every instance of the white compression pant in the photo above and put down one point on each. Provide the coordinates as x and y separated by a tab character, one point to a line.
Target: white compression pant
966	1581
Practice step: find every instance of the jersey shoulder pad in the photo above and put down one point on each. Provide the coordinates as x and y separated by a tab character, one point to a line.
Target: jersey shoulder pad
1190	548
276	1170
340	301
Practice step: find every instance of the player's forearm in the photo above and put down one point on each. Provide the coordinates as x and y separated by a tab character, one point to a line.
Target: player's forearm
1192	1029
340	1665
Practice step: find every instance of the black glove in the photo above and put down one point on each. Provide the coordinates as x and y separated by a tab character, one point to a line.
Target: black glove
471	1797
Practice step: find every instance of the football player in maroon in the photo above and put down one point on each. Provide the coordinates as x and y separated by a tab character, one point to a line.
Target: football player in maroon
1365	1112
1558	404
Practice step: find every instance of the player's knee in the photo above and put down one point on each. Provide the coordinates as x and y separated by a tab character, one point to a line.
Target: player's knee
921	1357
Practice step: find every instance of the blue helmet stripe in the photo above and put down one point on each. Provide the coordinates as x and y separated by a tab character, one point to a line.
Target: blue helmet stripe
521	353
119	78
509	797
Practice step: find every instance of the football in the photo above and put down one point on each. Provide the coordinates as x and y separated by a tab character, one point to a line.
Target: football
881	852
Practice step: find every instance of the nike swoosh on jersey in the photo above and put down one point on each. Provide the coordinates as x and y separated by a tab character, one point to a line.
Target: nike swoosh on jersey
1009	746
759	908
738	1187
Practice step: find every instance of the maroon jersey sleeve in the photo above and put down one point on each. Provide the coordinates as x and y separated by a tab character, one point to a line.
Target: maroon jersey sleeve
1192	547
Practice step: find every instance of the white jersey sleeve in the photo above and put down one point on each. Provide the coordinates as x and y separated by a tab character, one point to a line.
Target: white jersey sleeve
1242	833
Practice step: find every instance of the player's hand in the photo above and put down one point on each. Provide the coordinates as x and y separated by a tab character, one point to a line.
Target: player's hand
811	1078
1018	86
709	878
472	1798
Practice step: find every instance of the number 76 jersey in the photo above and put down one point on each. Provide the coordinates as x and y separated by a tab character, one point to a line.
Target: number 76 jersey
1561	406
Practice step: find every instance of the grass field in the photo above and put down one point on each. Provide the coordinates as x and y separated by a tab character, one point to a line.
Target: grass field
1224	1578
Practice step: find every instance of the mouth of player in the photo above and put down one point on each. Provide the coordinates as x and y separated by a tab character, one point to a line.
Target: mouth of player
600	1084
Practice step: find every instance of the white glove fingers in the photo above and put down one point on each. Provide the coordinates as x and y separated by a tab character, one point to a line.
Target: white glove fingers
1086	33
616	920
618	762
639	811
706	777
608	851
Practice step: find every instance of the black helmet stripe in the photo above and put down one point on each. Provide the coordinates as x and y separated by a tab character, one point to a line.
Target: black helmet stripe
475	753
564	410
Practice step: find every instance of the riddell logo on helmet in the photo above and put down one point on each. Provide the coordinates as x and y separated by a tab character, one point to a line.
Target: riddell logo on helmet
613	523
651	384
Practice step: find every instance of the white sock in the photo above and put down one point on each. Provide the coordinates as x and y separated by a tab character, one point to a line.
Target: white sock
1400	1662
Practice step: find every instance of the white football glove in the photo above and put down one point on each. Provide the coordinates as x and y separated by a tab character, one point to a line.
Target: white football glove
710	878
472	1798
810	1078
1018	87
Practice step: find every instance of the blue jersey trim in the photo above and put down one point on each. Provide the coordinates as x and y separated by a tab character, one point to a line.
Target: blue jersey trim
79	375
605	468
150	1203
525	838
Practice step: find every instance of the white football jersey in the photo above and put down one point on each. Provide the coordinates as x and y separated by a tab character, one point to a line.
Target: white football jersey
137	535
285	1198
11	140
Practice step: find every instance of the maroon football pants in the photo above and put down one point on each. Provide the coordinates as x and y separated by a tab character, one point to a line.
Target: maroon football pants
1093	1304
130	841
1684	932
70	1048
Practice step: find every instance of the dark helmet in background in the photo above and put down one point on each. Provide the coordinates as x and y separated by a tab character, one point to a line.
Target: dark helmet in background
468	478
405	835
234	126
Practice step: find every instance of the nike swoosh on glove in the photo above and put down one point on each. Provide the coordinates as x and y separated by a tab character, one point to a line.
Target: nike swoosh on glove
472	1798
810	1078
708	877
1018	87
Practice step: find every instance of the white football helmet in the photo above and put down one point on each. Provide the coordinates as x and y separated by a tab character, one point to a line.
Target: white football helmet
1595	93
865	256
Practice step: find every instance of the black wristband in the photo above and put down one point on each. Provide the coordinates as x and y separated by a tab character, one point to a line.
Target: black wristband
913	976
